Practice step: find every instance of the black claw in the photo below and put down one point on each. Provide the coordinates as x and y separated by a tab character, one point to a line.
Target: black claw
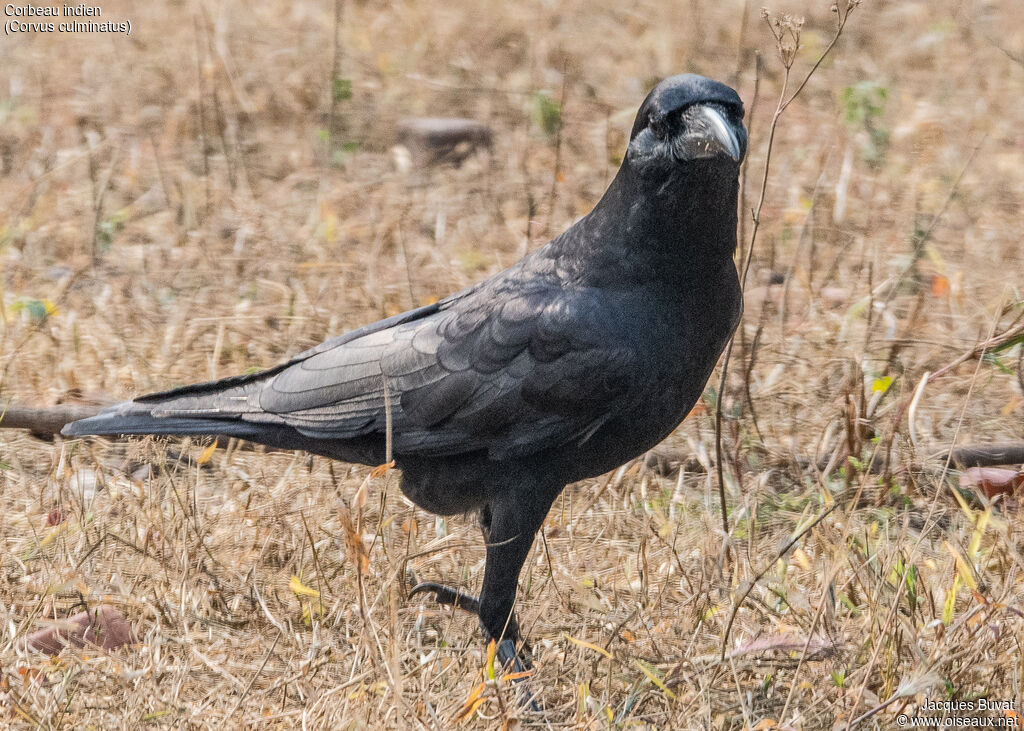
511	659
515	661
448	595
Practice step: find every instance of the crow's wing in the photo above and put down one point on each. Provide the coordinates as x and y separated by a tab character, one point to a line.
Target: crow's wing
512	372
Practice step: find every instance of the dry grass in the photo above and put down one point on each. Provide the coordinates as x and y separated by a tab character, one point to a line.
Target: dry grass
190	204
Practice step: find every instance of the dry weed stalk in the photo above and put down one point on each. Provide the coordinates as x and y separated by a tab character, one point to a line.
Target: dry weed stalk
786	31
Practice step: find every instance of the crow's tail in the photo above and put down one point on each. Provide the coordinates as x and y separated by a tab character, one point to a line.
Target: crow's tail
229	407
132	417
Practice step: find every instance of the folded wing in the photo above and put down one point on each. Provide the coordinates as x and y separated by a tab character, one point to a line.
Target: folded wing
531	373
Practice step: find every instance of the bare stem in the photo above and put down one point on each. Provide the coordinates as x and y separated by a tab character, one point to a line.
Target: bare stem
787	54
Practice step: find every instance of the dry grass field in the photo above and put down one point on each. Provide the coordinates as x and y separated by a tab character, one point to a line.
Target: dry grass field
218	190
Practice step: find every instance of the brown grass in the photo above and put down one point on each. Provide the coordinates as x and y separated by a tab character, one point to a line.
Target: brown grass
182	198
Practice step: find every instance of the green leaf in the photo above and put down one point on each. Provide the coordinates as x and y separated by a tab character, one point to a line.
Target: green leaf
992	359
848	603
1008	344
341	89
549	113
36	309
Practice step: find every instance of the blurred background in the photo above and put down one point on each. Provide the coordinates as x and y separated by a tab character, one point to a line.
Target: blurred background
233	182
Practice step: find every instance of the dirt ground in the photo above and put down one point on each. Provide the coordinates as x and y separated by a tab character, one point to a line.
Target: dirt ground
219	189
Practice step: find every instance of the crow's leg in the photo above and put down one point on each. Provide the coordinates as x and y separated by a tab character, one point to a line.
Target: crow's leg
509	523
508	529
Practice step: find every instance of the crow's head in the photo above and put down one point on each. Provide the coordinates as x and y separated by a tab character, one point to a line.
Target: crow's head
687	118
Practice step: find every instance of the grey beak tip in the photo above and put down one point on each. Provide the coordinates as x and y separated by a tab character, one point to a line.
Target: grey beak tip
723	133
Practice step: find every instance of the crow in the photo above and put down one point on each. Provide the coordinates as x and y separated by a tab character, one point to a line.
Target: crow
581	356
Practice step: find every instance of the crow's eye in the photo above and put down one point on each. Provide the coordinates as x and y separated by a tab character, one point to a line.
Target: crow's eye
658	127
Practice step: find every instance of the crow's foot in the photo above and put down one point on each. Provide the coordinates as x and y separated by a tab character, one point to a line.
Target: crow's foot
516	660
510	657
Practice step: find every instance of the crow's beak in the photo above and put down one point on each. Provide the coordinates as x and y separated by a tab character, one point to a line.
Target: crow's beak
708	134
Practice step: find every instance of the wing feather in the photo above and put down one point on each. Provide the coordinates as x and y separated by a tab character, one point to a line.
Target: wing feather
512	375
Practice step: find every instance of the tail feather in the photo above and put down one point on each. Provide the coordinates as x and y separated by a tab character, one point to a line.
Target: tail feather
229	407
136	418
164	418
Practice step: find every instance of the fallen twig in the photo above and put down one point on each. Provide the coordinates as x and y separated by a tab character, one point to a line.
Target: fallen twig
46	420
1013	333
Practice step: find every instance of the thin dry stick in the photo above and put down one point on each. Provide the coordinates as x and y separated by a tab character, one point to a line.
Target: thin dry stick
202	117
922	239
750	353
896	596
741	57
917	544
100	188
751	114
807	644
1005	338
332	123
47	420
9	354
557	169
739	693
760	574
219	118
788	53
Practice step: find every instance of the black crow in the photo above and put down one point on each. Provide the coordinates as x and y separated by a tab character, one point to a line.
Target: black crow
583	355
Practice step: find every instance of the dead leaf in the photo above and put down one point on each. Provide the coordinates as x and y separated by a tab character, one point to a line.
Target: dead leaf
940	285
963	569
102	626
300	589
992	481
786	642
381	470
473	702
589	646
522	674
491	651
207	454
834	297
353	540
